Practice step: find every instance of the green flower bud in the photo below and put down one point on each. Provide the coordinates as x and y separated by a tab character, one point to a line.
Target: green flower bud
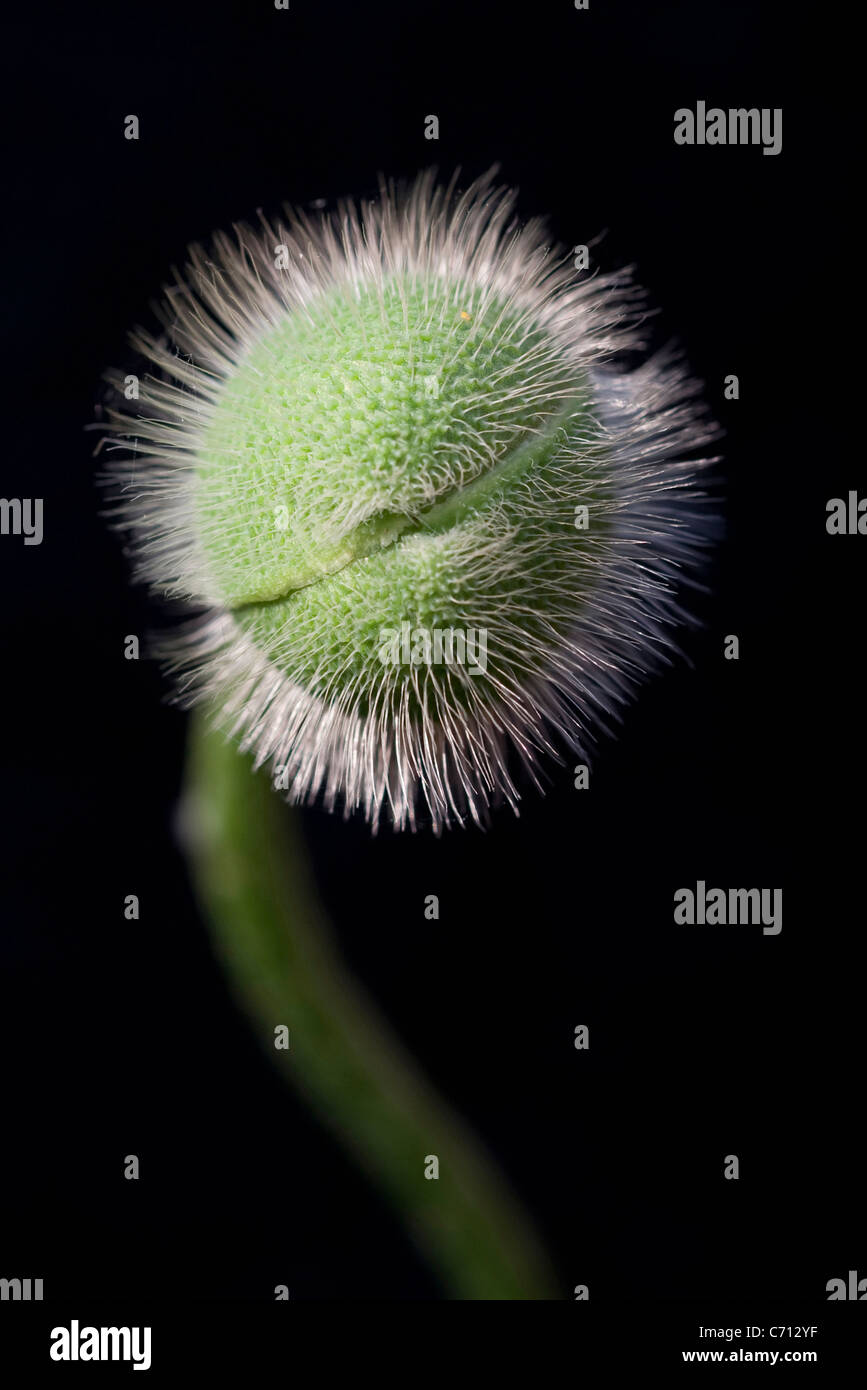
424	519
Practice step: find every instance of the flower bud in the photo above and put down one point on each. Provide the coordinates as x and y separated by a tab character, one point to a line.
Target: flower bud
429	526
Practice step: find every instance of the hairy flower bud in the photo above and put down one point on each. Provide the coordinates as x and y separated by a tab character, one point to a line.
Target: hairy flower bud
424	516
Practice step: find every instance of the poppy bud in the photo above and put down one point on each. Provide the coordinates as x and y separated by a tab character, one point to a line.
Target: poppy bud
428	523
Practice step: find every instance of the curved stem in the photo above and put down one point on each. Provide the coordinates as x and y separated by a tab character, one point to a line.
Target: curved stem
252	879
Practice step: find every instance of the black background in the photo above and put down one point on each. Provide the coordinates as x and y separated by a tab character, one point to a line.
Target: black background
120	1037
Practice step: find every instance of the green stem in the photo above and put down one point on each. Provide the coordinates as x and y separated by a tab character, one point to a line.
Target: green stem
251	875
